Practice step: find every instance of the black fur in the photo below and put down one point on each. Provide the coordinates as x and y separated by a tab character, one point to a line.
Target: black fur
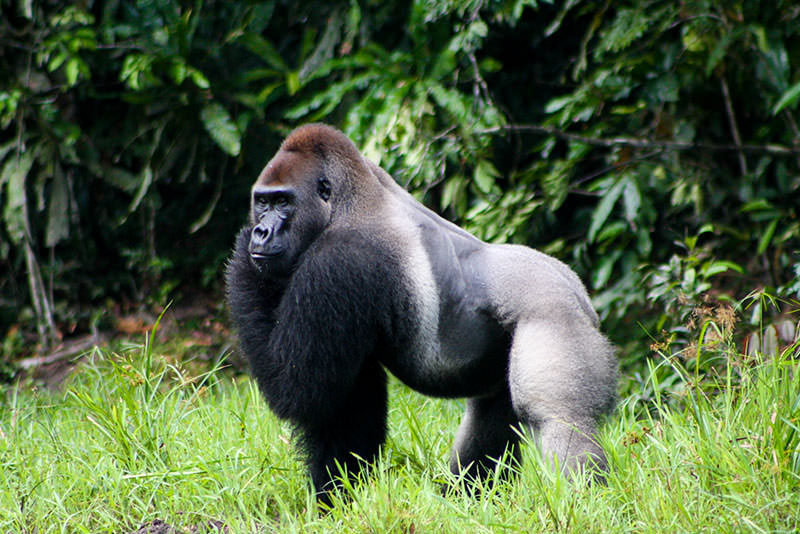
314	342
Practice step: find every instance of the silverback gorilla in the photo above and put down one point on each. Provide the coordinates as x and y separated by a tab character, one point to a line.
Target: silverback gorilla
340	274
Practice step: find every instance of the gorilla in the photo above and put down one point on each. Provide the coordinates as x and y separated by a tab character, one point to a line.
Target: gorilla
340	274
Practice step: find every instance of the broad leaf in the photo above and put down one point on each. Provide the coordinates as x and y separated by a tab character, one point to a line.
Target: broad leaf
14	174
788	99
264	49
604	208
485	175
222	129
57	210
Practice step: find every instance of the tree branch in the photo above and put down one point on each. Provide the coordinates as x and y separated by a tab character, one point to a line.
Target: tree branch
67	350
774	149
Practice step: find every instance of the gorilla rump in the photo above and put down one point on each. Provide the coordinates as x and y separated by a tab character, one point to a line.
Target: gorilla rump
340	274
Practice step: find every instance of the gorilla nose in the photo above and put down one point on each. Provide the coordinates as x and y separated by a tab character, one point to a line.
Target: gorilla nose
261	234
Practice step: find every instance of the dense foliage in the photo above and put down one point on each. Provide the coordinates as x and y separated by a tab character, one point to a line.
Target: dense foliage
652	145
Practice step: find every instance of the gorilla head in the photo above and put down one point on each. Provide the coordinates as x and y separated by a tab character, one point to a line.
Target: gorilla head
313	179
290	205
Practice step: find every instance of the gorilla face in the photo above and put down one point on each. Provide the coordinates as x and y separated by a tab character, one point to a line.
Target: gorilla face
273	211
288	211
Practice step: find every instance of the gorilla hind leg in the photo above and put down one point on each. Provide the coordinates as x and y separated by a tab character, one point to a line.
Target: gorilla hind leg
486	433
562	378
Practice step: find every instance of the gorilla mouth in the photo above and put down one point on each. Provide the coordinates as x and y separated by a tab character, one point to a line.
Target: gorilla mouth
265	255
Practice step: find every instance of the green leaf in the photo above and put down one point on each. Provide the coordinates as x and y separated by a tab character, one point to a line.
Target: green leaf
644	243
206	215
632	199
628	26
555	185
604	207
485	175
451	192
330	97
72	70
713	268
57	210
766	237
705	229
293	82
220	126
558	103
137	71
14	174
145	181
120	178
451	100
611	231
602	271
264	49
56	61
759	204
325	48
199	78
445	63
178	71
788	99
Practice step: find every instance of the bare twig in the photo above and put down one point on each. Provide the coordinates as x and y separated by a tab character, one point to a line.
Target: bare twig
732	121
75	348
616	166
478	83
45	325
774	149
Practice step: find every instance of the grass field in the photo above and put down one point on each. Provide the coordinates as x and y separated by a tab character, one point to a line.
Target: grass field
133	442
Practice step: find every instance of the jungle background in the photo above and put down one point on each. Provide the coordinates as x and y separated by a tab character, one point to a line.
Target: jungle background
653	146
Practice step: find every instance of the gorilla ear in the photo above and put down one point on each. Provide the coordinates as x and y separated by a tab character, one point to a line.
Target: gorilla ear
324	188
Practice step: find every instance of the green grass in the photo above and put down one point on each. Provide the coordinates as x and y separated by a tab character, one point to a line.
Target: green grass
132	438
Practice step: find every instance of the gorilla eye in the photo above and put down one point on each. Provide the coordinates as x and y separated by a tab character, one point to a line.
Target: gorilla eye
324	189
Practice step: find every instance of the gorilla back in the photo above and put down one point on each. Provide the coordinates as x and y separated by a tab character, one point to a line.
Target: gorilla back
340	273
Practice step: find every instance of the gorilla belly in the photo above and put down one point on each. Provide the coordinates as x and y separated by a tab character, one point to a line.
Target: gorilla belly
469	360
